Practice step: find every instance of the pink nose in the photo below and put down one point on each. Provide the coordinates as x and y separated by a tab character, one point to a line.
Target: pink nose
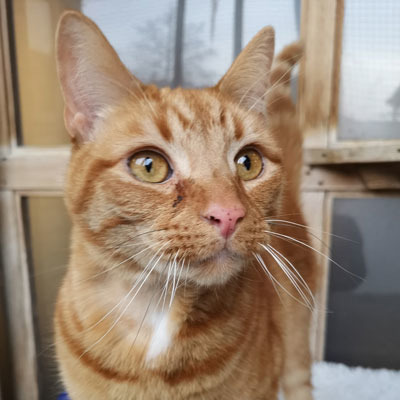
224	218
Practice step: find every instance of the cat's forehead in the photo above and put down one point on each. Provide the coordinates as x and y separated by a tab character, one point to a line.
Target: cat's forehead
198	113
200	127
197	127
199	117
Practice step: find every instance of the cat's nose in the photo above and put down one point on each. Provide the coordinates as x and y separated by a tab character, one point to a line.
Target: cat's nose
225	218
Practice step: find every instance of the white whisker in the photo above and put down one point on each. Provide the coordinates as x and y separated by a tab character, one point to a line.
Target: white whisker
119	264
180	272
262	76
131	290
289	238
147	311
177	280
303	282
166	285
262	263
284	222
174	263
127	306
292	278
279	81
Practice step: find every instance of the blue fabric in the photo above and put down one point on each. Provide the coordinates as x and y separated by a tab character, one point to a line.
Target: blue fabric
63	396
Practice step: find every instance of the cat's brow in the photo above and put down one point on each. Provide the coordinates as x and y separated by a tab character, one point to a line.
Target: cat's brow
163	126
168	115
238	126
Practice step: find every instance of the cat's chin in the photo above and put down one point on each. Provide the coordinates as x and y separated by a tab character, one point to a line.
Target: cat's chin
217	269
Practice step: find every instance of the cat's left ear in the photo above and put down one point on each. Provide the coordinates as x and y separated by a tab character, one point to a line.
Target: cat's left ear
93	78
247	80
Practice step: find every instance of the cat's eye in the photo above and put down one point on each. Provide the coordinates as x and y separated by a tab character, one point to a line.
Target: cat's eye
249	164
149	166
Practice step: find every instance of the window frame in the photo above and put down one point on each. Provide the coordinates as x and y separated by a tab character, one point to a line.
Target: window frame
321	33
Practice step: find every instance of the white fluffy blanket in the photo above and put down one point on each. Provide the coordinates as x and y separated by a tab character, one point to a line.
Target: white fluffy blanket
339	382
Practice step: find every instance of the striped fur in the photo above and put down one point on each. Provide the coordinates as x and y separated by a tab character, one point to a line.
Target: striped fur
222	328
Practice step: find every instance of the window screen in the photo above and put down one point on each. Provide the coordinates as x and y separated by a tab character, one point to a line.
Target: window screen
369	105
363	313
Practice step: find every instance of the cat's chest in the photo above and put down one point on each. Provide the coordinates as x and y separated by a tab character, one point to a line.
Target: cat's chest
163	330
152	329
136	321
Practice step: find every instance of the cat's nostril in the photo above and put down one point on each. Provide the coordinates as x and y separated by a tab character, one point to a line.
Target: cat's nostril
213	219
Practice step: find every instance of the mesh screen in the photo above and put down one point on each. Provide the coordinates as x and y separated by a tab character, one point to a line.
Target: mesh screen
369	106
363	313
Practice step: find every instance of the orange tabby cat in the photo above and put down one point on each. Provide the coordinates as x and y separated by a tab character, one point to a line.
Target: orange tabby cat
182	283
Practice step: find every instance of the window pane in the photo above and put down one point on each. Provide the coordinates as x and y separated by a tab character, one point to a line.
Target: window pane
40	103
363	314
142	33
133	28
369	104
48	237
283	15
146	35
208	41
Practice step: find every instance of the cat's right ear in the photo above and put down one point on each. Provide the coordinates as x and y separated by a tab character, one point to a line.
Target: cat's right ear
247	80
92	76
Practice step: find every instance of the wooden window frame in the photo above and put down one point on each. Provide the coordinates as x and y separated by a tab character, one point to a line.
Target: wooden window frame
13	250
338	181
329	197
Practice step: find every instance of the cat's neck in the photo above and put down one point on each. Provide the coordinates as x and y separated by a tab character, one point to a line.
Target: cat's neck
116	309
186	301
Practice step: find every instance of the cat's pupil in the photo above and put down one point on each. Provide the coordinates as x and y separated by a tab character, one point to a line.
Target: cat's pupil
246	162
148	164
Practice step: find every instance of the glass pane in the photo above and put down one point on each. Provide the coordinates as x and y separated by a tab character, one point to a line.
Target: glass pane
142	33
187	43
208	41
369	104
132	28
363	314
283	15
40	103
48	236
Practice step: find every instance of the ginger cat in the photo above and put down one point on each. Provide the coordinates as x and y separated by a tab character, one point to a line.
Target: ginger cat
183	281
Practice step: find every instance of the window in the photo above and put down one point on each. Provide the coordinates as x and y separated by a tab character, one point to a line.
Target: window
363	323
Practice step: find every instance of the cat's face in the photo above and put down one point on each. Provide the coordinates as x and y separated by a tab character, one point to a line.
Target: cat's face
170	179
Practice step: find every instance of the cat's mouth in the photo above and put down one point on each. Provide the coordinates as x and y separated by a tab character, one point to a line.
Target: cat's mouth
217	268
223	256
220	252
219	256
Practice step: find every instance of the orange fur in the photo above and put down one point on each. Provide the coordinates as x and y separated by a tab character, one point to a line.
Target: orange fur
226	330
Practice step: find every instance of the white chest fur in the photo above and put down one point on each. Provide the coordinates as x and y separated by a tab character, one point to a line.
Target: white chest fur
163	330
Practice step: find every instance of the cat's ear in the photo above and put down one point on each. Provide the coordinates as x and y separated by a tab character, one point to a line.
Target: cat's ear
91	74
247	80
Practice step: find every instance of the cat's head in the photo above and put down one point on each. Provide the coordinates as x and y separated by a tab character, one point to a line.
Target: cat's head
168	178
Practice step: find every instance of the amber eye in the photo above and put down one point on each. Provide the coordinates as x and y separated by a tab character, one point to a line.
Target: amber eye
149	166
249	164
